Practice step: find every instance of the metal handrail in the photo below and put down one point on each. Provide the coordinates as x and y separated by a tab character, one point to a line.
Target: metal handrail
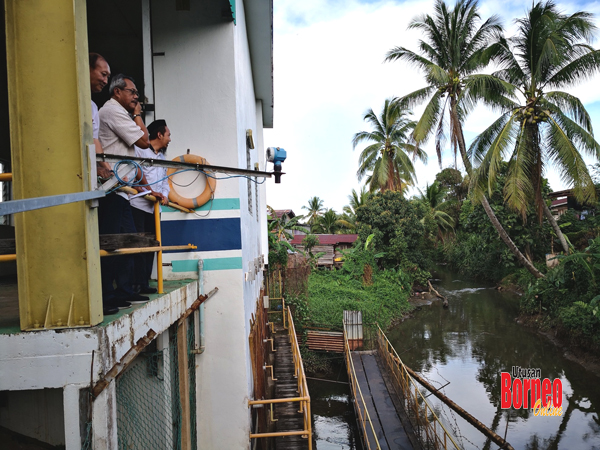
303	398
363	415
434	430
271	282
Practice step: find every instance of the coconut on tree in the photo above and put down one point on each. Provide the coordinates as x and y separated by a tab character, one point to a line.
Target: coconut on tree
387	160
542	124
457	45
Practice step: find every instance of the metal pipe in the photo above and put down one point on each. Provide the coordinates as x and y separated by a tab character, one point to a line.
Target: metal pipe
133	251
184	165
159	268
201	345
281	433
6	176
278	400
123	251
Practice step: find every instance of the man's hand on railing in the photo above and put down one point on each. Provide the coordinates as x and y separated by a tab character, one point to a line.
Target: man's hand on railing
103	172
159	197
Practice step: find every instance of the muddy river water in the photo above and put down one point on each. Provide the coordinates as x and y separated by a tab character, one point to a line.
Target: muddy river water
465	348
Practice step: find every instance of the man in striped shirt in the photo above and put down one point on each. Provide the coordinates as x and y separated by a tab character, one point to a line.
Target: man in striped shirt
142	209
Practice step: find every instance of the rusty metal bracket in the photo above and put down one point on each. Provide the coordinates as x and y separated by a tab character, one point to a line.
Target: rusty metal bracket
272	372
119	367
272	345
201	299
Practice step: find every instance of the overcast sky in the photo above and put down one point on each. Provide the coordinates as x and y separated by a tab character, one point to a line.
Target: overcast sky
329	70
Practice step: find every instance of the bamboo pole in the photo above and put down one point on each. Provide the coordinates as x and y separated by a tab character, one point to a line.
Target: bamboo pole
152	198
133	251
159	268
122	251
184	386
461	412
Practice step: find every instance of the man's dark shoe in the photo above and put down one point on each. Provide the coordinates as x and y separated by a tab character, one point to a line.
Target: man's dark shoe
148	290
119	303
137	299
109	310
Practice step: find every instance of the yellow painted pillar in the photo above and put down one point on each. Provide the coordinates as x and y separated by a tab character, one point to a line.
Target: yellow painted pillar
58	262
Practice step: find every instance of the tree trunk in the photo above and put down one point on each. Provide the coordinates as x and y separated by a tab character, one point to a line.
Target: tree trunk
556	228
486	206
508	241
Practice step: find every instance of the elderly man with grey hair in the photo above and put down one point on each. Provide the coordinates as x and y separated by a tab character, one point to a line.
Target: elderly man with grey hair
121	127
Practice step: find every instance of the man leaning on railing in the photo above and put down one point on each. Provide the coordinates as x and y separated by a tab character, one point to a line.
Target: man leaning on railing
143	209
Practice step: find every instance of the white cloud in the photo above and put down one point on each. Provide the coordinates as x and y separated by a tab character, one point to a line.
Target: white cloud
329	70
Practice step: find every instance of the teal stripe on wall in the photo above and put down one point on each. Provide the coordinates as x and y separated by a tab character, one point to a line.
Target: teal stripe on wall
218	204
191	265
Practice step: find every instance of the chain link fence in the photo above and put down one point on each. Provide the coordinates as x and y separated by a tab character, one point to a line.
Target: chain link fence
149	406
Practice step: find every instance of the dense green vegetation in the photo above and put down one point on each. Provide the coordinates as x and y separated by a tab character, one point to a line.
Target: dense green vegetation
495	222
381	295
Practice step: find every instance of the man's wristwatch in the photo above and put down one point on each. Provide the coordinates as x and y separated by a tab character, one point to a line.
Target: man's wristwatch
136	115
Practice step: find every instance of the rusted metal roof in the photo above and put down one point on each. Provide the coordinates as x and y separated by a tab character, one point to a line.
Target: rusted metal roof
328	239
329	341
284	212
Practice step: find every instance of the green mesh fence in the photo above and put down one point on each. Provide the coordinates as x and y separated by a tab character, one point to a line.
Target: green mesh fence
148	400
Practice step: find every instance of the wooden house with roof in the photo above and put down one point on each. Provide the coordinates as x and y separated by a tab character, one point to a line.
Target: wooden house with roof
330	244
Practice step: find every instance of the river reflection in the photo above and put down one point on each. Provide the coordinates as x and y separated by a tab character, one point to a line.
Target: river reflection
471	343
334	423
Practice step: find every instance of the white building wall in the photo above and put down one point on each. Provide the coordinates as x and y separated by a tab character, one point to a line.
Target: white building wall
204	89
247	120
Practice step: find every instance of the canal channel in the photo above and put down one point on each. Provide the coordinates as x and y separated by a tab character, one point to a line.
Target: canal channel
464	349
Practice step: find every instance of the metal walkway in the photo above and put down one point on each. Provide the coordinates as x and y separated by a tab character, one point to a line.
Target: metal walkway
384	418
392	412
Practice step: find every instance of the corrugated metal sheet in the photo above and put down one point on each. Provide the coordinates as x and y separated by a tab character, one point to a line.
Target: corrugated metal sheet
354	329
328	239
329	341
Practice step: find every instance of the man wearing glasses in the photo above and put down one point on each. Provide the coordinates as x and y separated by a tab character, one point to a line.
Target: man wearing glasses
121	127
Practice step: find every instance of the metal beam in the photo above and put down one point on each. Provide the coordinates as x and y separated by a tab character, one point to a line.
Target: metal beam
29	204
50	130
184	165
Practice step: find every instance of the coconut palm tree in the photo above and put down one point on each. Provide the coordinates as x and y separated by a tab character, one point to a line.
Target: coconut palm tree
543	124
315	209
356	200
386	161
433	199
328	223
457	44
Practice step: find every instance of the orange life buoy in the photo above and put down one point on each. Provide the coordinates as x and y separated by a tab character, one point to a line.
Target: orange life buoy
204	197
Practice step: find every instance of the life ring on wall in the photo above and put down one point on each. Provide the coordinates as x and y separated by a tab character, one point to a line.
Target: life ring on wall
204	197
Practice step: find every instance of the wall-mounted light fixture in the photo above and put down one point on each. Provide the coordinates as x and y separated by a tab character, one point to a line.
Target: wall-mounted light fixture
249	139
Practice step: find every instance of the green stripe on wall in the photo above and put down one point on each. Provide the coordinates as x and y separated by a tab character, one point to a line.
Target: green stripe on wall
191	265
218	204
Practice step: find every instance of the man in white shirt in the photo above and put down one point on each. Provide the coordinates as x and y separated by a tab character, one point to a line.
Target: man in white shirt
142	209
121	127
99	74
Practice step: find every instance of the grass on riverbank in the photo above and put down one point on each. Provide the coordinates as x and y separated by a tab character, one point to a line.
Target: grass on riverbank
332	292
